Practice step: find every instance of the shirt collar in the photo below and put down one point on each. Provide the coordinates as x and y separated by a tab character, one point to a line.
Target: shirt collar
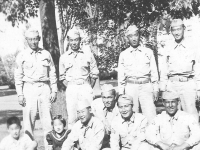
182	43
135	49
80	50
132	119
32	51
175	117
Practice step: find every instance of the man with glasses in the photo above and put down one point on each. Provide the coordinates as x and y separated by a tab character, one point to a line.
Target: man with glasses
36	83
138	75
128	129
106	110
180	69
173	129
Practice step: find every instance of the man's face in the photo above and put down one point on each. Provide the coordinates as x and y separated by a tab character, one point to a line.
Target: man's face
108	99
74	42
178	32
171	106
14	131
134	39
84	115
126	110
58	126
33	40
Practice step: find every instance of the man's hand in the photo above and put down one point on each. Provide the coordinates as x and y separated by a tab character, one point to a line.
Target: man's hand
65	82
53	97
163	146
198	95
155	95
22	100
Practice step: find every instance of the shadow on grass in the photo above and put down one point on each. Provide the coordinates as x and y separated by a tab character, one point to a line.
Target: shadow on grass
5	114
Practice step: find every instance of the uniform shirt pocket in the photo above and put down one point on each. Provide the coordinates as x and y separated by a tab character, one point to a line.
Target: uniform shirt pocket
28	65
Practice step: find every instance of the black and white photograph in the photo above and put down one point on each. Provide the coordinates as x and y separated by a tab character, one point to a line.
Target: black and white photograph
99	74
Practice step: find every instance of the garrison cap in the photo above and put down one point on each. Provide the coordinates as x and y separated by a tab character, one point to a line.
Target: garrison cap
176	22
170	95
84	101
107	87
131	29
126	99
31	32
73	32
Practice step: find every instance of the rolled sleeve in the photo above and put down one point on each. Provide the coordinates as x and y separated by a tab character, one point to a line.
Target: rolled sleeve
121	74
19	74
62	70
194	138
94	72
52	75
197	70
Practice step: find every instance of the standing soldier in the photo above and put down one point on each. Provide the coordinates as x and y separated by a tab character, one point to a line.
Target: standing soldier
137	75
36	83
181	68
78	72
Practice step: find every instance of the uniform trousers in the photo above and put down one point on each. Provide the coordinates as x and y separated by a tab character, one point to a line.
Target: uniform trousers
75	92
142	94
187	94
37	97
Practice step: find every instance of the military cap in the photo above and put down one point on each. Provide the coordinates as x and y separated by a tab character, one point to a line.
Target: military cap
176	22
84	101
131	29
126	99
31	32
107	87
170	95
73	32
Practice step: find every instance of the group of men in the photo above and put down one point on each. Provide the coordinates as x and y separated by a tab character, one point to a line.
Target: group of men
114	121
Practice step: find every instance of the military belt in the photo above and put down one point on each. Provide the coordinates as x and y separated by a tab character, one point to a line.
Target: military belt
180	78
138	81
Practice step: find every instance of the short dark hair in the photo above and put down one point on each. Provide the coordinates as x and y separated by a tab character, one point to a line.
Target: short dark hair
13	120
59	117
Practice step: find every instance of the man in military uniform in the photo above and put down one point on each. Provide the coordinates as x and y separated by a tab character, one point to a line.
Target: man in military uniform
36	83
106	110
128	129
181	70
78	72
138	75
173	129
88	131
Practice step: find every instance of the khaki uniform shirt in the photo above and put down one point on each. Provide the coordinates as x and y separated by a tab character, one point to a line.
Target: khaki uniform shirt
137	63
89	137
33	67
180	59
78	65
128	133
174	130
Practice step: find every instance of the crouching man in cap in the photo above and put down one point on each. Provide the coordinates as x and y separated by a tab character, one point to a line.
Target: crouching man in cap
128	129
88	131
173	129
78	72
106	110
138	75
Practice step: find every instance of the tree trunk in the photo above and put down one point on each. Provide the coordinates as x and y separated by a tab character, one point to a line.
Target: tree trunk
50	43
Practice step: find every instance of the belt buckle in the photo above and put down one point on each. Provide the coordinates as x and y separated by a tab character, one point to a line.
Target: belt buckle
79	82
